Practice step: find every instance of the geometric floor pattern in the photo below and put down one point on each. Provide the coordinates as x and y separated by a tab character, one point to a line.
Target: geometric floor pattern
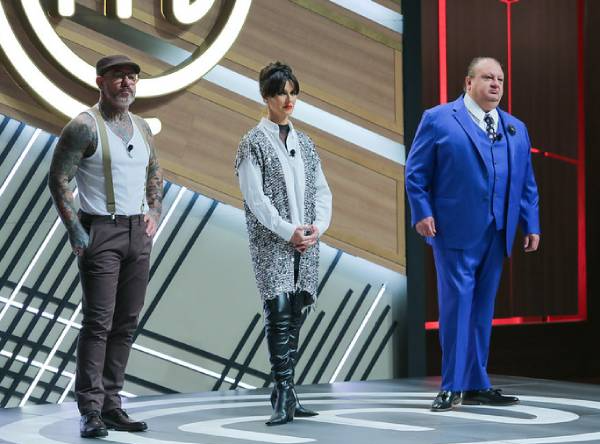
391	411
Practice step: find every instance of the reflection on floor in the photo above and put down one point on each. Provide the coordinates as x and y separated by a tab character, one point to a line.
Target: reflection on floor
394	411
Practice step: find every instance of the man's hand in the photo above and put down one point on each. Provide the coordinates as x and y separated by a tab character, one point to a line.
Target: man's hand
154	185
531	242
151	218
426	227
79	240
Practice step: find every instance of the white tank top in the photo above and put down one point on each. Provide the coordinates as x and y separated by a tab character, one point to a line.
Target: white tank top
128	170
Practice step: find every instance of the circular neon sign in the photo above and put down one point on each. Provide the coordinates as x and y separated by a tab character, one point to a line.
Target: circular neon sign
174	80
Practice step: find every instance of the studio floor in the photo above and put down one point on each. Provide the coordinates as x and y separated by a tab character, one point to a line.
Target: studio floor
393	411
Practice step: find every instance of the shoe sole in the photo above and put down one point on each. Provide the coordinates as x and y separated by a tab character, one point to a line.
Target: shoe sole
122	429
452	407
274	424
305	415
502	404
95	434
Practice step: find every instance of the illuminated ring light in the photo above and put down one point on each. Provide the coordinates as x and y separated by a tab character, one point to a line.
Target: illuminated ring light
167	83
190	72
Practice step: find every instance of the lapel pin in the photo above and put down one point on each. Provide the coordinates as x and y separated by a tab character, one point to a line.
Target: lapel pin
512	130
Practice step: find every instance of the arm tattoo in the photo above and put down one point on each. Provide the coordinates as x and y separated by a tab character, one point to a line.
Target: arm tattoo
154	180
77	140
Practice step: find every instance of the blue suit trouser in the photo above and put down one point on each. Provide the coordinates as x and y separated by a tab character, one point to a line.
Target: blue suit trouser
467	282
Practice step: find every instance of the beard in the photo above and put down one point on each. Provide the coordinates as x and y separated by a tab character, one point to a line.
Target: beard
122	98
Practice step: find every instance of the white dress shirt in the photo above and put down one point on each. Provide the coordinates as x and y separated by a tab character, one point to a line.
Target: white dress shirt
477	114
250	177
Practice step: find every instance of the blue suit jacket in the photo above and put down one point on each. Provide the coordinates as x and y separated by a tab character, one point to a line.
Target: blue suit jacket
447	178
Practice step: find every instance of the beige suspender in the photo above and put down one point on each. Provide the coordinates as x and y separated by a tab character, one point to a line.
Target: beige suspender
108	179
106	160
138	124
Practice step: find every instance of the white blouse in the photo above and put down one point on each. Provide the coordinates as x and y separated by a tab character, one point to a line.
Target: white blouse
250	178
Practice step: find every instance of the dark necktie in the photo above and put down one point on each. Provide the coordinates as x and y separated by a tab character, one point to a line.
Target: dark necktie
489	127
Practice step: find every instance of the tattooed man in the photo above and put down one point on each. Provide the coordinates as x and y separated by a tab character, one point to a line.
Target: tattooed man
110	153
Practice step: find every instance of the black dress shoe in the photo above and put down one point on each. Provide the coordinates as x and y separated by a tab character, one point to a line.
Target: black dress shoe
488	397
118	419
445	400
91	426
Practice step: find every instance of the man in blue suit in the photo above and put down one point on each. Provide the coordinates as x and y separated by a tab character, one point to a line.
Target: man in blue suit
469	182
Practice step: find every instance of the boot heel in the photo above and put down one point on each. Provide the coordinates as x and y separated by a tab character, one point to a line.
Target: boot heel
283	411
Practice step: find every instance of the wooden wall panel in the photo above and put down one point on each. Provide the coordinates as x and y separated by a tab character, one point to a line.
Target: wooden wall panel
347	65
547	34
363	214
474	28
546	283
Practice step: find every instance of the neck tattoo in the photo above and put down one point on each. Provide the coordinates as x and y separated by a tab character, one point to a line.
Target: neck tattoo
118	121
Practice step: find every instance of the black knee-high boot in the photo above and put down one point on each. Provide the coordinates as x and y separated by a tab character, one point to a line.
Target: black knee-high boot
297	303
277	324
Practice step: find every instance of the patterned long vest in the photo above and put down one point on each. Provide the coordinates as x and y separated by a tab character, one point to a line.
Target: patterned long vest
273	257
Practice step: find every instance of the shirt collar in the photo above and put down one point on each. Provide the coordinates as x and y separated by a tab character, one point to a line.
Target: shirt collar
272	126
476	111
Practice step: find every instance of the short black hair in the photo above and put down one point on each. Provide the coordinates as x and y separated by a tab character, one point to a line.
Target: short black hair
273	78
475	61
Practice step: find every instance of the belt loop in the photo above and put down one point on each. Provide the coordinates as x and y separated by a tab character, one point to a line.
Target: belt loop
113	217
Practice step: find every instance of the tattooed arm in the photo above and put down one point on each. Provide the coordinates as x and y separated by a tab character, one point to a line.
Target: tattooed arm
77	140
154	185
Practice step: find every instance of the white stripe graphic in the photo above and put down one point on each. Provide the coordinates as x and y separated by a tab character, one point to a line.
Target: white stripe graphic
36	258
357	334
375	12
17	164
50	368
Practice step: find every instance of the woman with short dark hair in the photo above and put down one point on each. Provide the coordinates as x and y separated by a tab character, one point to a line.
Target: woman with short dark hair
288	206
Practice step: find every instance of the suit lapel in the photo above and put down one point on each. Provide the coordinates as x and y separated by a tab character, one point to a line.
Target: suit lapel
506	121
461	114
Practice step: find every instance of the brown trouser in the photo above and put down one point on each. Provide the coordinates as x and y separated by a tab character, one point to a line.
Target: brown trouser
114	275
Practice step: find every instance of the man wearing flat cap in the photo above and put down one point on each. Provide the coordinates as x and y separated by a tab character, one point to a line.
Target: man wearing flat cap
110	153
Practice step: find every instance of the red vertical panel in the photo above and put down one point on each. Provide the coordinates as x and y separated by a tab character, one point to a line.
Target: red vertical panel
442	51
509	52
581	225
582	262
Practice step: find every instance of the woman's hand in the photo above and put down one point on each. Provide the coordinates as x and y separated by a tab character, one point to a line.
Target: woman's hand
304	236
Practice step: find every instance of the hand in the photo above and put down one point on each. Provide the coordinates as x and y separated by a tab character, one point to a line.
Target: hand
302	241
298	236
151	218
79	240
309	239
426	227
301	248
531	242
